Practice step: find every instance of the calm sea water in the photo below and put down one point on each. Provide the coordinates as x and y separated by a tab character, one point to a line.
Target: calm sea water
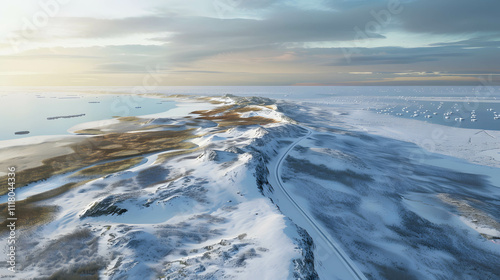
30	111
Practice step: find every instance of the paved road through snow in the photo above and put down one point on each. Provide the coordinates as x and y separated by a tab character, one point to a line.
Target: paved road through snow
330	260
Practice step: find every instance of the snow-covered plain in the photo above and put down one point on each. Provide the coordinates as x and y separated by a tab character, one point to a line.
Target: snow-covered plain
329	192
389	191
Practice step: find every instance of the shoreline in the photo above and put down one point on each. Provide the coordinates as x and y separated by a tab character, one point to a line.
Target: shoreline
126	176
34	152
58	116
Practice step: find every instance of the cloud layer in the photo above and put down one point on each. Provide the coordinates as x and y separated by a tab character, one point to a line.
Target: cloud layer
243	42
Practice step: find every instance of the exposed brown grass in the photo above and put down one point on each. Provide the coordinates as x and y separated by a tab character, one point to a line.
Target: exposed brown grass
246	109
164	157
129	119
101	148
110	167
218	110
236	121
90	131
52	193
177	96
229	115
149	127
29	214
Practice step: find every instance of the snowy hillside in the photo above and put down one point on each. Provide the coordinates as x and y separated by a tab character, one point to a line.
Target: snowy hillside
251	188
196	213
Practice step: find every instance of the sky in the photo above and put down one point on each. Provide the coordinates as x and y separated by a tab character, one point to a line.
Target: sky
249	42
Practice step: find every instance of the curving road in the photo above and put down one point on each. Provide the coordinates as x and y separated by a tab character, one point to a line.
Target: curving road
332	258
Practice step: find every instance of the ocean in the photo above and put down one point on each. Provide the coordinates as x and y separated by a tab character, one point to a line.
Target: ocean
53	110
53	113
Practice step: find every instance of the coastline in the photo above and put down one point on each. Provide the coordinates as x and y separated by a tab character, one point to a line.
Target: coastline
164	171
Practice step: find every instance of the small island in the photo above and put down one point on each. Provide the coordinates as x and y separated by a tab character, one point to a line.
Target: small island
65	117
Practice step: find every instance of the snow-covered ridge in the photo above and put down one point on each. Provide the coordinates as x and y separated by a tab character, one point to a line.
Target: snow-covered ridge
199	215
220	207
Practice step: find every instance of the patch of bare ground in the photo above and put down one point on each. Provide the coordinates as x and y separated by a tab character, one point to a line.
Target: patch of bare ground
30	213
229	115
104	148
110	167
